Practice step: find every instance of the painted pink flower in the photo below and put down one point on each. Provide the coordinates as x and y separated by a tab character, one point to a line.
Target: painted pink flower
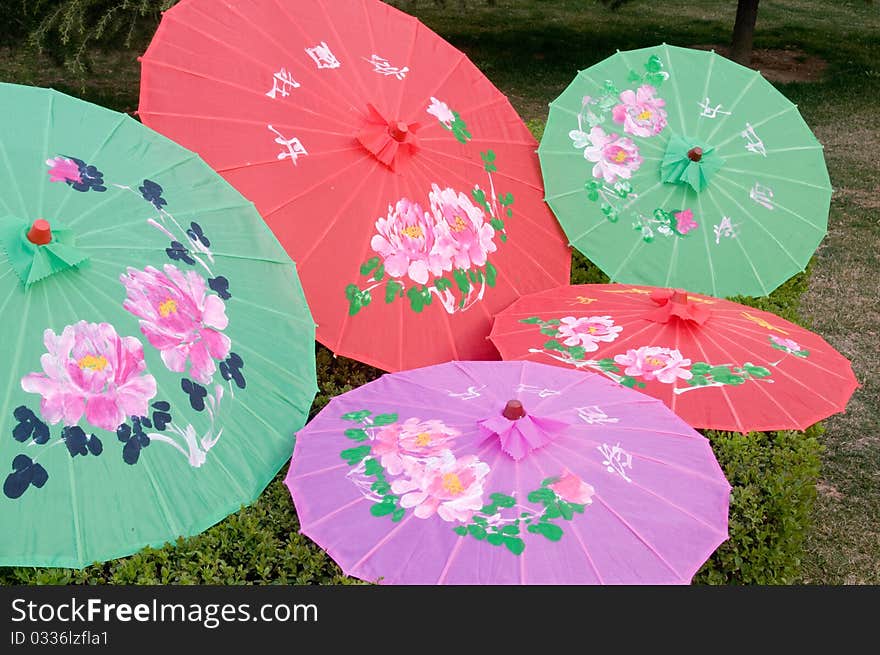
179	318
588	331
89	369
573	490
786	344
684	221
655	363
614	156
398	446
407	242
441	111
640	111
463	233
449	487
62	169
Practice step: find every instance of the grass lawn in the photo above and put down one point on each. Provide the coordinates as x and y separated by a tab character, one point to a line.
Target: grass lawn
531	49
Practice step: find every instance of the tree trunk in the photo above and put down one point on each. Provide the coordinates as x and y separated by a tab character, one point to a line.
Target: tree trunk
743	31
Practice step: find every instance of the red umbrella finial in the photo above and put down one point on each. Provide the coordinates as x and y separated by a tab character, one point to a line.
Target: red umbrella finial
40	233
513	410
398	131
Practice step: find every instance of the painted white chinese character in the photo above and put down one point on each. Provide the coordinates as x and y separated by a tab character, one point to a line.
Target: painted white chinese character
383	66
294	148
542	392
282	82
616	459
710	112
470	394
724	229
594	414
763	195
323	56
753	142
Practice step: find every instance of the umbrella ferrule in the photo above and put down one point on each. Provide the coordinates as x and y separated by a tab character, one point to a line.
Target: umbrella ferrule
513	410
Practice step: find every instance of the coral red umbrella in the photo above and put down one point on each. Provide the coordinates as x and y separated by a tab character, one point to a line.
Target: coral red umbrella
395	174
716	363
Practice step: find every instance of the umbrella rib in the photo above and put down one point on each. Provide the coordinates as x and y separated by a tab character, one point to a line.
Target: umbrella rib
705	234
124	226
647	491
226	168
648	458
384	540
638	536
722	388
407	59
779	205
317	185
736	102
675	88
8	166
761	225
245	121
791	107
336	511
711	68
774	151
92	160
760	386
115	197
739	245
357	75
326	469
781	178
460	542
640	242
805	360
42	187
473	163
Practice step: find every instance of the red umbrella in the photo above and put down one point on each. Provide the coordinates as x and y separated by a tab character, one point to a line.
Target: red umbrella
395	174
716	363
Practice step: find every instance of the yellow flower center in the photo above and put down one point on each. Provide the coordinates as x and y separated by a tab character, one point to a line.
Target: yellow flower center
592	329
423	439
645	115
413	232
459	225
452	484
654	361
620	157
167	308
95	363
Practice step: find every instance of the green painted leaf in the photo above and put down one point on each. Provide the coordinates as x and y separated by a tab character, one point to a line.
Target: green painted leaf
510	530
553	345
592	195
551	511
566	511
356	416
461	280
355	455
653	64
549	530
381	487
398	514
379	273
608	364
419	298
502	500
505	199
627	381
577	352
372	467
756	371
496	539
550	331
541	495
546	482
700	368
475	275
356	434
497	223
384	419
533	320
382	509
460	530
477	531
482	521
393	289
369	265
515	545
491	274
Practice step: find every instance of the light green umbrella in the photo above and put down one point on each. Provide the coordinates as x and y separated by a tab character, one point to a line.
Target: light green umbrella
158	352
676	167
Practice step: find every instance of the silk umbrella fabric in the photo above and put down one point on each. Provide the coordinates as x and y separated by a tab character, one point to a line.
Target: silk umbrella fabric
677	167
396	175
157	347
716	363
427	477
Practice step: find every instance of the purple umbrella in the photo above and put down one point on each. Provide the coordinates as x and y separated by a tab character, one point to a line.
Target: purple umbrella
507	473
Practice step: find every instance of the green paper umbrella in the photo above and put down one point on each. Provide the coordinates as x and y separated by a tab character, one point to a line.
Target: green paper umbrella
676	167
157	348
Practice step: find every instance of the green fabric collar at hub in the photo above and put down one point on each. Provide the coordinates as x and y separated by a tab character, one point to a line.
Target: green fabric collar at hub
688	161
32	261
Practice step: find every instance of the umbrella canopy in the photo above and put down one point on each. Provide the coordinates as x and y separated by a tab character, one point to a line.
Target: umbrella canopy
507	473
158	350
397	176
676	167
715	363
